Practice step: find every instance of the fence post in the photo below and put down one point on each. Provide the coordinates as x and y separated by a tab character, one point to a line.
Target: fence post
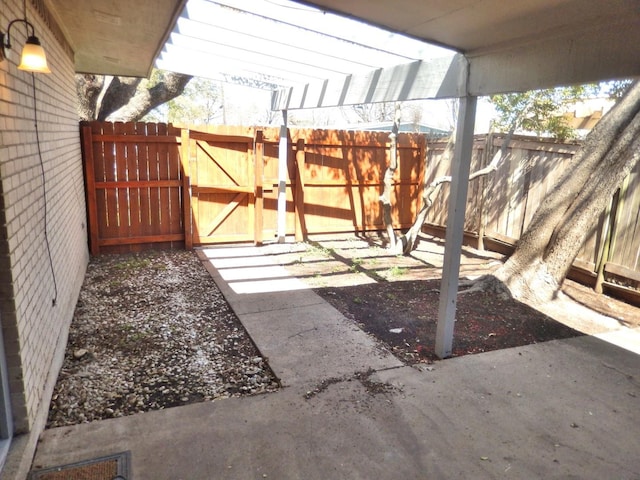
486	155
603	254
186	188
423	151
258	192
90	178
609	234
298	201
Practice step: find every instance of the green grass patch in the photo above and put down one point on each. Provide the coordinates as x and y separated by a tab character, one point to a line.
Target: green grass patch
397	271
133	263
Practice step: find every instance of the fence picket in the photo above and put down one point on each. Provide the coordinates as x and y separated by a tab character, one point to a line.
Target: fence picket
146	153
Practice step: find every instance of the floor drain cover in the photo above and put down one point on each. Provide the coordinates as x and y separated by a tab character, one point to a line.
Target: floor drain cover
111	467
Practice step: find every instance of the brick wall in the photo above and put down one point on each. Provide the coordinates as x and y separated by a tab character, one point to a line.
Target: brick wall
37	194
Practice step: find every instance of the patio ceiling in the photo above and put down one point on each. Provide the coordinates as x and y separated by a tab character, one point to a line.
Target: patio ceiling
520	44
512	46
118	37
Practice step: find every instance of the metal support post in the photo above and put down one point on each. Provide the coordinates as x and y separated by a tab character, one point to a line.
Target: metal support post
283	153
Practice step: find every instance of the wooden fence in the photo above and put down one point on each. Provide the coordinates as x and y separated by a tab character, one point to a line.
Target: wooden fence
154	184
135	183
500	207
340	177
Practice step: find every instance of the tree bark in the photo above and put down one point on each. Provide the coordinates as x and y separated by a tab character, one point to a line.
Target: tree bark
546	250
119	92
88	88
385	198
146	100
124	98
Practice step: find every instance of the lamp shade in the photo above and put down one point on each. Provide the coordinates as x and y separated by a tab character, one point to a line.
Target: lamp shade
33	57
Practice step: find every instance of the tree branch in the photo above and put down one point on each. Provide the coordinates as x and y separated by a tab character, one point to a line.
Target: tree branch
117	94
146	100
408	242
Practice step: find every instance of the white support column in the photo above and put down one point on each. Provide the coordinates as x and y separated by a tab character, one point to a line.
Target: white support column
283	153
455	225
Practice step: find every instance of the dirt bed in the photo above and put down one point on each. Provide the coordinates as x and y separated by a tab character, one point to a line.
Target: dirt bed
395	298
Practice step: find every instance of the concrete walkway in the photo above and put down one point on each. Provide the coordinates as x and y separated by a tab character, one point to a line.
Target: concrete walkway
350	410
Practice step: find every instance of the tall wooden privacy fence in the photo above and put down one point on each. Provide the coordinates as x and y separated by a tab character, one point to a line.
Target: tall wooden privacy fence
154	184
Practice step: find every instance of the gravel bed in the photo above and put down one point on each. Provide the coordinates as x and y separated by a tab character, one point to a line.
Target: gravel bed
152	331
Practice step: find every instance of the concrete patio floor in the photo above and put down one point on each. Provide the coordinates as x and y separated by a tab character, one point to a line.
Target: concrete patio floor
348	409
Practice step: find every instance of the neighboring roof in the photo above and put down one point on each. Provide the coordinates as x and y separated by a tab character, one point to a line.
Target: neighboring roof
404	127
584	115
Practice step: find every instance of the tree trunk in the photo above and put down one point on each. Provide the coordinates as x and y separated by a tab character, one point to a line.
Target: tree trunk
118	94
385	198
146	100
407	243
124	99
548	247
88	88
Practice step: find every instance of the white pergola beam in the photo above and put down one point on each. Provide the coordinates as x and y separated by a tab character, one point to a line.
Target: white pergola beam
306	48
363	35
180	55
177	59
423	79
237	77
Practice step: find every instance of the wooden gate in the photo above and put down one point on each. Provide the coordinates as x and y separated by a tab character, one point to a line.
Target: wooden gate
224	176
134	183
154	184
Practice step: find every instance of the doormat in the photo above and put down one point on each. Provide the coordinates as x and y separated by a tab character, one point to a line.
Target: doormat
111	467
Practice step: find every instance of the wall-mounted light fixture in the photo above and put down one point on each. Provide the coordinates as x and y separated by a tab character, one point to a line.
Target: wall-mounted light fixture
33	58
